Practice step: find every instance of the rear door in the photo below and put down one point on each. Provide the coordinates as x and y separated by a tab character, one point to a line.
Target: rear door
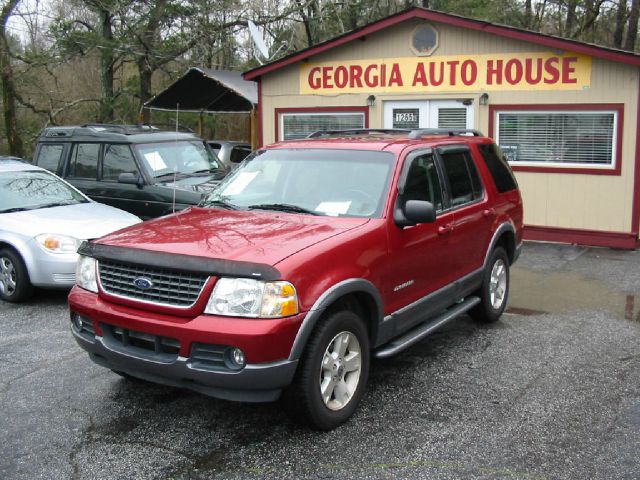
471	217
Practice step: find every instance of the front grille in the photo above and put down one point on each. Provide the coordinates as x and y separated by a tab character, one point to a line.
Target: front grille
167	287
141	344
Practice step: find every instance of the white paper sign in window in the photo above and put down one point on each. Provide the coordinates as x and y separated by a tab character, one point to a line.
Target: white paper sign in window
155	161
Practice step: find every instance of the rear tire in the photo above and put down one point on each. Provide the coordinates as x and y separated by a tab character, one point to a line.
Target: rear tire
494	291
333	372
15	285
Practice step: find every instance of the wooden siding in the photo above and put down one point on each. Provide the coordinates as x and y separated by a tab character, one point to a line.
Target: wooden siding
574	201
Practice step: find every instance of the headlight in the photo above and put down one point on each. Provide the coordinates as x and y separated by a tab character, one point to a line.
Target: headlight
244	297
58	243
86	274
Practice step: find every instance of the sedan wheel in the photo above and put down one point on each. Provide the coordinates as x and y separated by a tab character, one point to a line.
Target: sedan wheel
14	279
7	277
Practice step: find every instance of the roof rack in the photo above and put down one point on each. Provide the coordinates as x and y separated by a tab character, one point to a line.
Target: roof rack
124	129
414	134
357	131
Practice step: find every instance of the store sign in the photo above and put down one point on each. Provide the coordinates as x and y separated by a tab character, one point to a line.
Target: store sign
515	71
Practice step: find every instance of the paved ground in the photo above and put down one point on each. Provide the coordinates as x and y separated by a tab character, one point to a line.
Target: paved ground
552	391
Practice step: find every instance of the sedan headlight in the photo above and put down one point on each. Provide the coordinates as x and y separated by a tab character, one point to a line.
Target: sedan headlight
244	297
86	273
58	243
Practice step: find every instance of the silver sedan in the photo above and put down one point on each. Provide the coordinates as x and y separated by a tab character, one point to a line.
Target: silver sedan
43	220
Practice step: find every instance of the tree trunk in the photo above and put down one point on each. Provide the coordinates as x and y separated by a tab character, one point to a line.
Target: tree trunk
571	18
306	23
145	72
527	14
148	38
621	17
16	146
632	28
106	67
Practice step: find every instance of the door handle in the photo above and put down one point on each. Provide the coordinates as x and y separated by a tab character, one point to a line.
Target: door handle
444	229
489	212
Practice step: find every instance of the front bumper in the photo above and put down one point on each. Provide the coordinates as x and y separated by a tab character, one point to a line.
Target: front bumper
254	383
51	270
169	350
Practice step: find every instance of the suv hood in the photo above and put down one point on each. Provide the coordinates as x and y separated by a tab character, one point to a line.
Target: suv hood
256	236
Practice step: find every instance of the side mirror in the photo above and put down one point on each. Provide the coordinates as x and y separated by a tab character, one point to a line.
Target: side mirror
413	212
131	179
419	211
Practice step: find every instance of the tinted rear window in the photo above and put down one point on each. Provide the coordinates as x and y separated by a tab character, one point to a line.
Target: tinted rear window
49	156
498	167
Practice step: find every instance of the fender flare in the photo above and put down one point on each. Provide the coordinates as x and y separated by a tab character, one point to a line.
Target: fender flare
503	228
340	289
21	247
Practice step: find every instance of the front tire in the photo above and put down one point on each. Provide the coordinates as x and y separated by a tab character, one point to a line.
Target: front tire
494	290
333	372
15	285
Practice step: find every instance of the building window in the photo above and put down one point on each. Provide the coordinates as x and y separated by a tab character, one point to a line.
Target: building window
424	40
585	139
302	124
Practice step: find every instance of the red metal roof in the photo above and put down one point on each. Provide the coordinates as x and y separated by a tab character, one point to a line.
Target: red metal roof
457	21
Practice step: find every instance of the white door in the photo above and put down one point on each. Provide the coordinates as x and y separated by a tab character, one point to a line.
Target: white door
428	114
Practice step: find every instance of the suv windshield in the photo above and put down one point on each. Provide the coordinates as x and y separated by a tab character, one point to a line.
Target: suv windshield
322	182
181	156
29	190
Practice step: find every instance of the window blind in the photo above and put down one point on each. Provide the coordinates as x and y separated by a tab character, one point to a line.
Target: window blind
558	137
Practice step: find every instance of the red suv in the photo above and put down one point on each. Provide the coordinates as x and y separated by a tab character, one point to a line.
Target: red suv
309	259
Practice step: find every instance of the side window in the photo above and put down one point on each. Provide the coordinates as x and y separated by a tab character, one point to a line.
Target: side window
498	167
117	159
215	147
84	161
49	156
423	182
464	181
239	153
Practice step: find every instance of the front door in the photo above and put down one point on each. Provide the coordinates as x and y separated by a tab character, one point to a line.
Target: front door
411	114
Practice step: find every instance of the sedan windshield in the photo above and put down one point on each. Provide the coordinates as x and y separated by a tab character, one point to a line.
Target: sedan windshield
320	182
181	157
30	189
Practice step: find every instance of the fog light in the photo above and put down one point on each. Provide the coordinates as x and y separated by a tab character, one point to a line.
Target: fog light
76	322
237	357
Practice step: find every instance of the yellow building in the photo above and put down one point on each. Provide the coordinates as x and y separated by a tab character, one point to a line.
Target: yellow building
564	112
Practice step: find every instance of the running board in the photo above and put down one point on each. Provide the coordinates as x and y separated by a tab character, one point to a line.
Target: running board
421	331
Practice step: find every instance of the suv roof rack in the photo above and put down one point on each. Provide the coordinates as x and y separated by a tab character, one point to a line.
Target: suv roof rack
412	133
444	131
358	131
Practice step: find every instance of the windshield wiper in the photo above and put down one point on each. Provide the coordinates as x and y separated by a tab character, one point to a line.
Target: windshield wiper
210	170
219	203
58	204
178	175
16	209
284	207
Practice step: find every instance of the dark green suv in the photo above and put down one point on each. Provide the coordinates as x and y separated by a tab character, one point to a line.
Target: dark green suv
140	169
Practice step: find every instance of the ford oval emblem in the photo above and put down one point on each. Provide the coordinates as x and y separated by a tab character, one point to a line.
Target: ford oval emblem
143	283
